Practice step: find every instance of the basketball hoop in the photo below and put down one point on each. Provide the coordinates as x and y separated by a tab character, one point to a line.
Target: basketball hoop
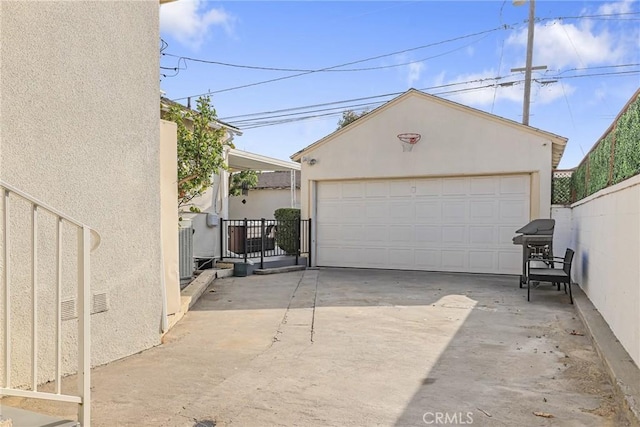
408	140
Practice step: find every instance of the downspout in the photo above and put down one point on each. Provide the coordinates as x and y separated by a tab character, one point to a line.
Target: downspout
164	322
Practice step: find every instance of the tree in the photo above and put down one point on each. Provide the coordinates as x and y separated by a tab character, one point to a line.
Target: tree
350	116
200	149
239	181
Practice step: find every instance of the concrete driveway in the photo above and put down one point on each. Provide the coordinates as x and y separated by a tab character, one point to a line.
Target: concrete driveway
336	347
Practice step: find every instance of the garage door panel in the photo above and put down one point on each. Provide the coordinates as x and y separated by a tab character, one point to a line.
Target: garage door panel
428	259
514	185
483	211
376	233
510	262
428	188
428	211
439	224
374	256
400	188
401	258
352	233
377	189
330	211
353	190
483	235
454	234
330	255
506	234
454	211
513	211
455	186
351	213
330	191
483	186
402	213
429	234
453	260
376	212
482	261
401	233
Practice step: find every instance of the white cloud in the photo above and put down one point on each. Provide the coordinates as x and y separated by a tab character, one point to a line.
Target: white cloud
415	72
615	7
189	21
560	45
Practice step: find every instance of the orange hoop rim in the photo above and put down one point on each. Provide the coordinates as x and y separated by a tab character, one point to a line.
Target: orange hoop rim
409	137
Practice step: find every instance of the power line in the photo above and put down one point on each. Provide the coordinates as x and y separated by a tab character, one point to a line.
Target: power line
381	67
333	69
345	64
388	95
268	121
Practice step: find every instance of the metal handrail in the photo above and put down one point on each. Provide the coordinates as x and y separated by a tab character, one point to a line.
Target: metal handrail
84	249
52	210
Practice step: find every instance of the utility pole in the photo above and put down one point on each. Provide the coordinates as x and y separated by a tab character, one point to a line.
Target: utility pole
528	66
527	72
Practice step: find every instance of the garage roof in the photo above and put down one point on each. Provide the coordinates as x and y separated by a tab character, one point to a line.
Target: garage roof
558	142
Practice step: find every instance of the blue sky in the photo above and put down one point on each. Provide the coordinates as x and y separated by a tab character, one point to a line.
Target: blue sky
591	49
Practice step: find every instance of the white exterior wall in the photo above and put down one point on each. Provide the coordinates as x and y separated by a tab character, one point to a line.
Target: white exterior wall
169	218
80	130
261	203
606	237
455	141
562	234
214	201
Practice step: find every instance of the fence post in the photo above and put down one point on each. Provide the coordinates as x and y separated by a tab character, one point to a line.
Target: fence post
298	229
246	240
309	243
262	237
222	233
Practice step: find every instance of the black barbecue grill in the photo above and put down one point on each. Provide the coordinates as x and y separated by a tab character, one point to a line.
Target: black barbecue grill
536	239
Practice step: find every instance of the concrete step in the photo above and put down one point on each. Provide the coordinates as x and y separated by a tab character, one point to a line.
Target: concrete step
277	270
14	417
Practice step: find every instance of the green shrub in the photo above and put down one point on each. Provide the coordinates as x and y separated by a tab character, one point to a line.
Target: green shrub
627	149
599	161
288	233
578	183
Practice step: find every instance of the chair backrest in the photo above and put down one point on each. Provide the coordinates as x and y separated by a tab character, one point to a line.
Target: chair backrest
568	259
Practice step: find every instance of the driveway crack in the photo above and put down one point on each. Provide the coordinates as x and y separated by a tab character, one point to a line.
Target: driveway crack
286	313
313	315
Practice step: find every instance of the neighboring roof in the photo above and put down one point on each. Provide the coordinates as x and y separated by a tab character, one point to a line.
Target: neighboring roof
558	142
239	160
276	180
166	103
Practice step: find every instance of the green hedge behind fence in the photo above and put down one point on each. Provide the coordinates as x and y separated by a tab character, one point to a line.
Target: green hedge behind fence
613	159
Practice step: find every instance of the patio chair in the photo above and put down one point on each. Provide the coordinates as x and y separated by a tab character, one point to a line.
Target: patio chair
551	274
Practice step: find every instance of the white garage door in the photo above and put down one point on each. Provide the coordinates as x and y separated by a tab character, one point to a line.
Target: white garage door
437	224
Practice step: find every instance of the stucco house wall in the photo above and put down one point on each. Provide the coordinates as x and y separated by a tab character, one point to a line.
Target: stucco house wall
456	140
261	203
80	130
169	214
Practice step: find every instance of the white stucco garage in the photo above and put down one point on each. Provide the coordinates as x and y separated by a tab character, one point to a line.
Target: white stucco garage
452	203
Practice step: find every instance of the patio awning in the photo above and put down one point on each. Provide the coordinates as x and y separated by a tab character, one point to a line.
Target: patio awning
239	160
